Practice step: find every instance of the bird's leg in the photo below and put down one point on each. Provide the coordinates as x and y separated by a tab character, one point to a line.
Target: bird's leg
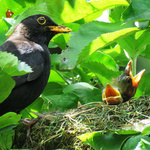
28	123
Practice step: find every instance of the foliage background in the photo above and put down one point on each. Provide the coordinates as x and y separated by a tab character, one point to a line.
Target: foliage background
83	61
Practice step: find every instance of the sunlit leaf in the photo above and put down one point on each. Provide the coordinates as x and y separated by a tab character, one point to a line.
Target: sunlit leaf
98	140
80	44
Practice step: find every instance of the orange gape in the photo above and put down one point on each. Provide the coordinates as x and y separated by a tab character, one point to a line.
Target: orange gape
125	87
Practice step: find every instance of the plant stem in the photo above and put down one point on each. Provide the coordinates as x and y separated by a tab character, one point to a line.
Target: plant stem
73	79
61	76
134	66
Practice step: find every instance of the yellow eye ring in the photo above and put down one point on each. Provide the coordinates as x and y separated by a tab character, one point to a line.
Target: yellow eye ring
41	20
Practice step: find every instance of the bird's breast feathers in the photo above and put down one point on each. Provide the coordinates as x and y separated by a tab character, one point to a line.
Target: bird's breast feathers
25	47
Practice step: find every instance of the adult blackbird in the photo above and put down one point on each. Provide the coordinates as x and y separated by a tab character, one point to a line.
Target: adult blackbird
125	87
29	42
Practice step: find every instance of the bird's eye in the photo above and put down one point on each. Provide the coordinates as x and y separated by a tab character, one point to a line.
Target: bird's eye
41	20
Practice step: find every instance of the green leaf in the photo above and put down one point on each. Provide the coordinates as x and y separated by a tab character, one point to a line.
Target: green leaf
115	14
52	88
137	142
135	44
81	45
17	7
62	102
61	39
10	65
145	54
86	92
55	76
9	119
4	28
103	141
73	26
102	5
62	12
101	70
55	59
6	139
145	84
36	106
146	130
117	53
6	85
138	10
49	9
142	24
104	59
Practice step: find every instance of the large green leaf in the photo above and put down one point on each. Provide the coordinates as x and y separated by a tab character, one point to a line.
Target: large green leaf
86	92
102	65
103	141
62	12
62	102
105	40
81	45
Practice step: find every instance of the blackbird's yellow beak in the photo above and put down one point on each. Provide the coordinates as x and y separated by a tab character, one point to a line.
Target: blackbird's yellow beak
111	95
59	29
136	79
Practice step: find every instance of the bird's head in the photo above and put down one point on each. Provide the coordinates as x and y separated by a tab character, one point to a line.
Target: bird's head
126	85
39	28
111	95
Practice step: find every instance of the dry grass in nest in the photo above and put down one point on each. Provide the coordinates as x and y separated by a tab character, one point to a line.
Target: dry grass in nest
59	130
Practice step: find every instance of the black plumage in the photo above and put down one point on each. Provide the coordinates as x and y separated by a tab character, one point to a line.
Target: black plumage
29	42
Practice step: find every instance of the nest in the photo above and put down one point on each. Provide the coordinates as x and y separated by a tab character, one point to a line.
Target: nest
60	129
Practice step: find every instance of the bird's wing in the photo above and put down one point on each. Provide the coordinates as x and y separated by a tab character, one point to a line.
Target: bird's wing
30	53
